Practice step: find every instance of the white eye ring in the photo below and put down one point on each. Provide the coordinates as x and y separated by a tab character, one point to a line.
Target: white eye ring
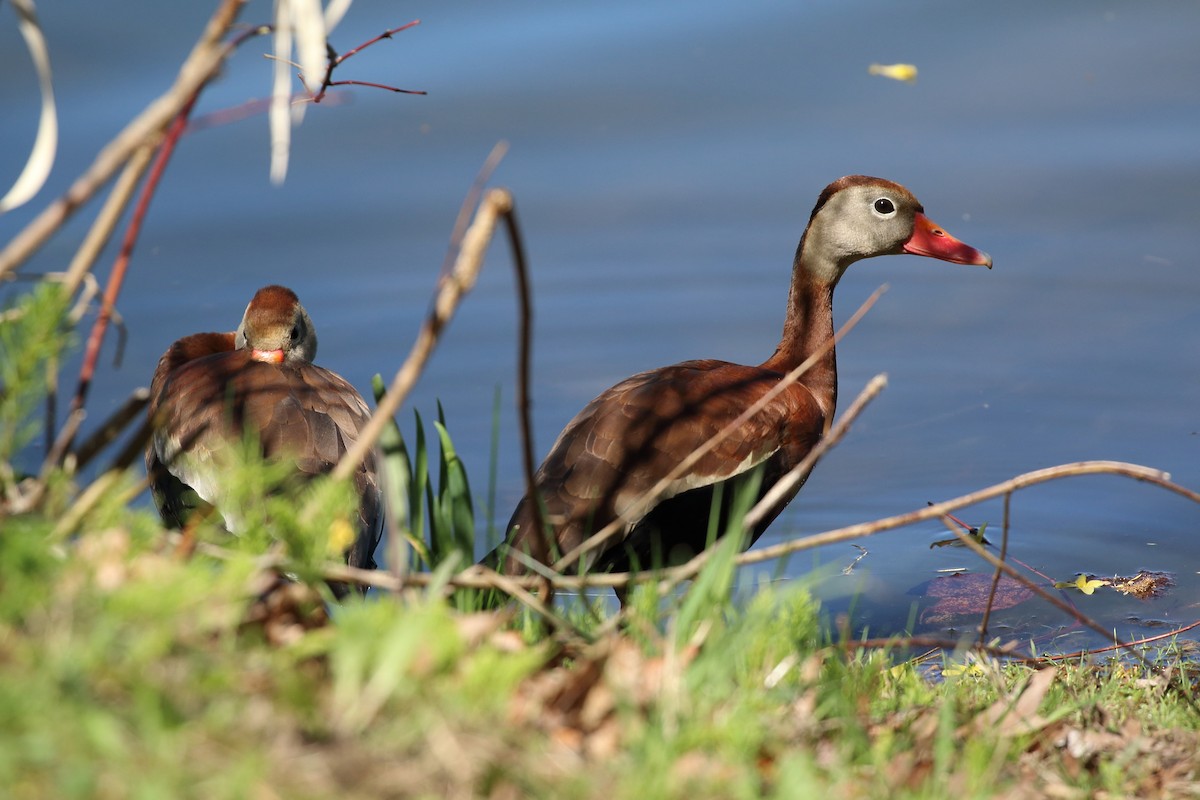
884	208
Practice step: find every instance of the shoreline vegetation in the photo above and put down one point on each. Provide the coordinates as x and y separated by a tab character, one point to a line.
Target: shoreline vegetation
137	661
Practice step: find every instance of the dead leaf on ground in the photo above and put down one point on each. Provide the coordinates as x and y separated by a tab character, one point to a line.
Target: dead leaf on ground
1015	713
576	702
283	609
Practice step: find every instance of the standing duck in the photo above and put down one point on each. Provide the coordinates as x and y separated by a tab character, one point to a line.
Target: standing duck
210	388
633	435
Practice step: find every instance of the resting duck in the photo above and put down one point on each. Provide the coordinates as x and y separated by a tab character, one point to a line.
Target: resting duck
631	436
210	387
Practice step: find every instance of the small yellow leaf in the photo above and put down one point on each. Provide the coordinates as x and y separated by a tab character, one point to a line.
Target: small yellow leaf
897	72
972	670
1088	585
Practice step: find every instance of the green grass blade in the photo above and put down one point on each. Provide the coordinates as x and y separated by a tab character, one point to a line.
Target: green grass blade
397	480
454	497
710	593
420	498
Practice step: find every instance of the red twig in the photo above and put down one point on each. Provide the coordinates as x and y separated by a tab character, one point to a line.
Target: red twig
251	108
1134	643
971	529
115	281
371	85
334	61
385	35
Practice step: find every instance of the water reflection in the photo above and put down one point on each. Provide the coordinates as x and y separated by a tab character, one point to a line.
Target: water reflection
664	164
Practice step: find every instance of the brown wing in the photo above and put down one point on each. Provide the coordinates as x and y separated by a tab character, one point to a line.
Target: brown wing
174	499
304	414
631	436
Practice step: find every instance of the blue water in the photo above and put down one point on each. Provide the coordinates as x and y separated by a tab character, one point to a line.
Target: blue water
664	162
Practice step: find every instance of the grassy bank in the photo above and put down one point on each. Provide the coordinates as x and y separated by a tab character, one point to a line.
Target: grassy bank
133	667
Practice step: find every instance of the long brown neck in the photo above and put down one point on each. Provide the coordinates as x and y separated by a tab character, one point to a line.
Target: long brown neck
808	331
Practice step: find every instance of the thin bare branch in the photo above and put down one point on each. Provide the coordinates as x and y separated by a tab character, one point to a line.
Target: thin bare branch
1076	469
478	577
112	428
370	85
453	287
333	61
470	202
1026	480
1171	634
796	475
541	545
987	611
388	34
110	214
120	268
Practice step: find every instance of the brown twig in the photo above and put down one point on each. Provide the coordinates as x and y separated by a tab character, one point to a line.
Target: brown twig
102	228
452	287
1008	652
112	427
471	577
471	202
370	85
862	530
796	475
541	545
252	108
987	610
1023	481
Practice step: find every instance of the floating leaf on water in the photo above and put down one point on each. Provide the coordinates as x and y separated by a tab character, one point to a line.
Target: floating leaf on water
897	72
1085	583
1144	585
966	594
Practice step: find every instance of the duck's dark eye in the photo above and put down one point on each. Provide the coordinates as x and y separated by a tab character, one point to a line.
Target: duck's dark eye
885	206
296	333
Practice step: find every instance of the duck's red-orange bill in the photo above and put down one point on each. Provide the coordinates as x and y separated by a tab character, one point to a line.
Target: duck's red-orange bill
929	239
268	356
